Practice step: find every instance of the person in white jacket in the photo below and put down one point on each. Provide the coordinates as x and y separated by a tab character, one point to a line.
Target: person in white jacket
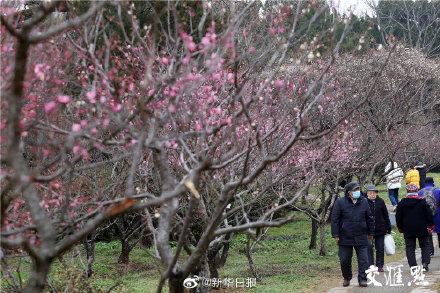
394	176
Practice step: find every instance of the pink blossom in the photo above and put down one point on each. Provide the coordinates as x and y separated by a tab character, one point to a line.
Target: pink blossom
91	96
185	60
172	108
165	61
76	127
192	46
84	154
55	185
252	49
279	83
49	107
206	41
76	149
217	76
63	99
46	153
199	126
39	71
116	107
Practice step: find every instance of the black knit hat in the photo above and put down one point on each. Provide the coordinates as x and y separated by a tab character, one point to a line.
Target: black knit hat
351	186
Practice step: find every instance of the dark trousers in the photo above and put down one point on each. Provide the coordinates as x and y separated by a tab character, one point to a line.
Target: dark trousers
410	245
345	255
378	244
431	244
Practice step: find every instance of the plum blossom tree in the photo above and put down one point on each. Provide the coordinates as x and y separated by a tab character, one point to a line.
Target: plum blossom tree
183	122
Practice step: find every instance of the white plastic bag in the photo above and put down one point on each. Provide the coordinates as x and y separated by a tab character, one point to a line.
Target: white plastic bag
390	246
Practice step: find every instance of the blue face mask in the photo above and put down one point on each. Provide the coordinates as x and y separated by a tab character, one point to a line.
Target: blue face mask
356	194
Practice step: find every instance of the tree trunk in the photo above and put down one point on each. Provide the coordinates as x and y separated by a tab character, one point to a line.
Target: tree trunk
322	244
37	280
313	235
203	273
175	283
124	257
249	257
225	251
213	263
89	246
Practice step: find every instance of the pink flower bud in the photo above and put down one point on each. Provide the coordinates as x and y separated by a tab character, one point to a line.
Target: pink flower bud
279	83
49	107
192	46
91	97
76	149
76	127
63	99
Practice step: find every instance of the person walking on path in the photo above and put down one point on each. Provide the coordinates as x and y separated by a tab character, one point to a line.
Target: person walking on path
382	226
422	173
413	177
394	176
431	194
352	224
414	220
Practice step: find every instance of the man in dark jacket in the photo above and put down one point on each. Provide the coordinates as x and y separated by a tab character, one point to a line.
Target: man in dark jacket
414	220
422	171
353	227
382	226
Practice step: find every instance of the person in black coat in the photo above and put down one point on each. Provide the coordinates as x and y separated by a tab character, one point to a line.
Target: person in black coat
414	220
382	226
352	227
422	172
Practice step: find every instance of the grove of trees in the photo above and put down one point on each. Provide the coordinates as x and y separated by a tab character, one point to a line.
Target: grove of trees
178	125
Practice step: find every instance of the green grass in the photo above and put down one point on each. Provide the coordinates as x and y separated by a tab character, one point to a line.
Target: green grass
283	261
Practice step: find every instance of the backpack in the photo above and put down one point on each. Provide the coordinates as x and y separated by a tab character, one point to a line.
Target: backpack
430	199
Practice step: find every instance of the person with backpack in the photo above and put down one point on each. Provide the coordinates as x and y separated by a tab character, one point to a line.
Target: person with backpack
413	177
432	196
382	226
352	227
422	173
414	220
394	176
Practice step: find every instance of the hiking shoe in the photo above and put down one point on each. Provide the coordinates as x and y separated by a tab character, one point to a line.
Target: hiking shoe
425	267
380	270
363	284
346	283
